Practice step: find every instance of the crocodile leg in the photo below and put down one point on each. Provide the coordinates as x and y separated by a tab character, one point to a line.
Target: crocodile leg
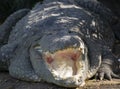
108	66
21	67
7	50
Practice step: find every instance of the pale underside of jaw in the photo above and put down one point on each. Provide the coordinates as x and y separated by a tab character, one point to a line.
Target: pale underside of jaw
65	63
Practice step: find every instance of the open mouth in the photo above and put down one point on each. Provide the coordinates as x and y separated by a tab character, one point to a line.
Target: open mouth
64	67
65	63
60	59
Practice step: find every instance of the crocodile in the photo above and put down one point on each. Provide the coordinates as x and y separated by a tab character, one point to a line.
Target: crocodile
64	42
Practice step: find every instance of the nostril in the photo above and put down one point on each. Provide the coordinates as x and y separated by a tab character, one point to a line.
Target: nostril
80	79
69	31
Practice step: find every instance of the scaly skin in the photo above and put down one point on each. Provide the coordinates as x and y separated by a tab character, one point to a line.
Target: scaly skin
6	51
59	42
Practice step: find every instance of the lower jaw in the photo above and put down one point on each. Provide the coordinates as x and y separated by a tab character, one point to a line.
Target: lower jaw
63	83
73	81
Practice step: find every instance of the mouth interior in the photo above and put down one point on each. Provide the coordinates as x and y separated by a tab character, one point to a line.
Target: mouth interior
65	63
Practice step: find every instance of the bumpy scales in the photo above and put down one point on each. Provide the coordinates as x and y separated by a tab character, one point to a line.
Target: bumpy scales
63	42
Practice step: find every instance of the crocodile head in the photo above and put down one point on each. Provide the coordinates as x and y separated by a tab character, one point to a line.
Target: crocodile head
60	59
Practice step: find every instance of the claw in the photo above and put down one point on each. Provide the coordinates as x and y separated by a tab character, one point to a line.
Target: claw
108	76
106	72
115	75
101	75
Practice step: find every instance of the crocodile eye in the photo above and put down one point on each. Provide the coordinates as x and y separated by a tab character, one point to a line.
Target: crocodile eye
36	46
36	51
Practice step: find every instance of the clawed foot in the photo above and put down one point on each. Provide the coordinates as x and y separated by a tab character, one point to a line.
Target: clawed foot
105	72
